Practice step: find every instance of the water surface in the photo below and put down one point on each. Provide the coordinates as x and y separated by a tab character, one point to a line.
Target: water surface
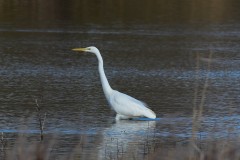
160	56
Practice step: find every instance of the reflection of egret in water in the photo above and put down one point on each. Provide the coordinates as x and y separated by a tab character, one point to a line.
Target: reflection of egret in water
125	139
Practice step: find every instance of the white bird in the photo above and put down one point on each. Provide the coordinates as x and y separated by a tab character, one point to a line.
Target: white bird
125	106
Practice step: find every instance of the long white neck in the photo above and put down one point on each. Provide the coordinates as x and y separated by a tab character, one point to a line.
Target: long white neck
105	85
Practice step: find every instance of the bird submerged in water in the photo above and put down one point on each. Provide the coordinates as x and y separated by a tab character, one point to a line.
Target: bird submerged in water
125	106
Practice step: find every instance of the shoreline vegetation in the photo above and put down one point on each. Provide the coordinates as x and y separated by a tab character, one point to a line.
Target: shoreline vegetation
195	148
23	148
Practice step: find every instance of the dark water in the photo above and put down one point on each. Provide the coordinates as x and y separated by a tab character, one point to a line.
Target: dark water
156	51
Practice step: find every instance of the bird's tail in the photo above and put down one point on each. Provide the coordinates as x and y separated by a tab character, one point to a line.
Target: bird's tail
150	114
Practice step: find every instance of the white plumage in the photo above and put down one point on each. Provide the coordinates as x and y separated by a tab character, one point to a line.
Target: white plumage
125	106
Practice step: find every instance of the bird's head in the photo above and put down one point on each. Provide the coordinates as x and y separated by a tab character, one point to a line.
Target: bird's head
87	49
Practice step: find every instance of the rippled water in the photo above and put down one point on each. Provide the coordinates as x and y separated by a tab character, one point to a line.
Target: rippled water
164	65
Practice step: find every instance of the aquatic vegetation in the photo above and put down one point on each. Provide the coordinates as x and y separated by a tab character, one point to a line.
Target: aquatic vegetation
24	148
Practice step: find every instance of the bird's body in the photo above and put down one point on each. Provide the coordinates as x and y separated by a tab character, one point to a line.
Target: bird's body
129	107
125	106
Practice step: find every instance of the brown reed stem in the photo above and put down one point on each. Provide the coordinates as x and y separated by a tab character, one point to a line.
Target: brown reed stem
40	119
198	109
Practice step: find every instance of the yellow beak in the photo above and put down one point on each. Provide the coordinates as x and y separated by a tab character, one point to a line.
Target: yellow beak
80	49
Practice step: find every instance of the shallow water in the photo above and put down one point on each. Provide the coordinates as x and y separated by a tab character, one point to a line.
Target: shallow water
164	64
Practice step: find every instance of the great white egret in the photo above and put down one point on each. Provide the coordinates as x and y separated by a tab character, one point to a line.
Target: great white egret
125	106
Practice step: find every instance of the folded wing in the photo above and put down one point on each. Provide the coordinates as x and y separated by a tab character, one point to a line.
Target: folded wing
129	106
